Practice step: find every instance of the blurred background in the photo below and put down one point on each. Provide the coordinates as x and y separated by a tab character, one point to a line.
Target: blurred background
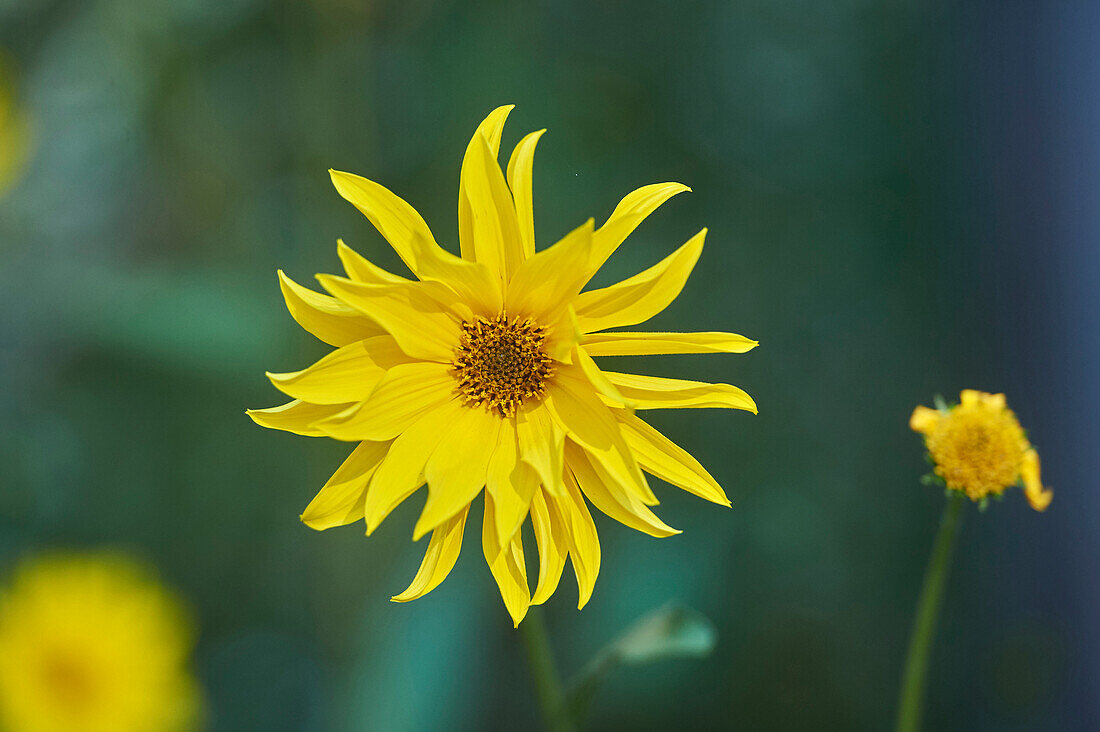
903	199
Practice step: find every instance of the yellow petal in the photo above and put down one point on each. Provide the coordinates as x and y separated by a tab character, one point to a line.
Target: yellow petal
630	212
360	269
341	500
348	374
639	298
439	560
541	441
412	314
495	230
325	317
506	562
588	421
1037	496
994	401
654	392
490	130
457	467
970	397
597	378
399	475
648	344
924	420
584	542
510	482
552	543
609	496
396	220
471	281
296	416
519	180
548	282
404	394
668	461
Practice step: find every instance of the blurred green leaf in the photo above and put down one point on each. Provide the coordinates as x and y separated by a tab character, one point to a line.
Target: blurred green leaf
672	631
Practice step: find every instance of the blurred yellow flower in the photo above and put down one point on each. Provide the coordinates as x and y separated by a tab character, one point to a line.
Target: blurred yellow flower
480	373
14	131
979	448
92	643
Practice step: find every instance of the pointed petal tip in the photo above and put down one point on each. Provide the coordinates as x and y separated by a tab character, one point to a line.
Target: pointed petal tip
518	618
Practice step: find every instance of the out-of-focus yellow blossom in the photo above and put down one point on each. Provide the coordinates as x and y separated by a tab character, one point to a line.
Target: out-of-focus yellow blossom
979	448
93	643
15	131
480	373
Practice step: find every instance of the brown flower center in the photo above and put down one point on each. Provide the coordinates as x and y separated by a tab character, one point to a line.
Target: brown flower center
499	363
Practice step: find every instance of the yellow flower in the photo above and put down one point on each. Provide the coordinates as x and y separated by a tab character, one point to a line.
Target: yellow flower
480	373
979	448
92	643
14	132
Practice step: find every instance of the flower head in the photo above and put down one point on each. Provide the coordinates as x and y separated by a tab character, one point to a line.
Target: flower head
92	643
979	448
480	373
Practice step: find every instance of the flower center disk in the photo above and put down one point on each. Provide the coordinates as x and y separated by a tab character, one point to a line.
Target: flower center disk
499	363
978	450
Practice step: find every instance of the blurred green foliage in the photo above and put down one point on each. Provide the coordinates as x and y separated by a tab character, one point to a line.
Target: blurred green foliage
183	156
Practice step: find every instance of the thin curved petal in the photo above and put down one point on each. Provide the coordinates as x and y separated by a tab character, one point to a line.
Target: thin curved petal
541	441
399	475
361	269
651	344
662	457
342	498
654	392
495	230
1038	496
472	281
609	496
630	212
506	562
548	282
598	380
412	314
457	467
588	421
553	546
400	397
396	220
348	374
490	130
439	559
296	416
584	542
510	482
324	317
639	298
519	181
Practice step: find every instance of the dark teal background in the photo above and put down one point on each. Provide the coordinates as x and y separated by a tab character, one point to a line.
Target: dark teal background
902	200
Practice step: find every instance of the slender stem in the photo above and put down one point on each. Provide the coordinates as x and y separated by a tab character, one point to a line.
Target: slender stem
544	674
928	610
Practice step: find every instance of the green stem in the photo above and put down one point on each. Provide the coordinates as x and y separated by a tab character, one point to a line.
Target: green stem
928	610
544	674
